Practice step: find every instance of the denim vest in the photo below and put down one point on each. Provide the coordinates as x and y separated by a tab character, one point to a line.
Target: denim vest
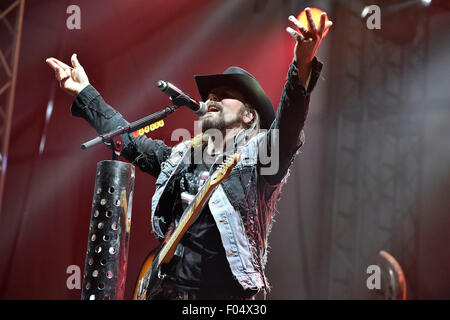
240	206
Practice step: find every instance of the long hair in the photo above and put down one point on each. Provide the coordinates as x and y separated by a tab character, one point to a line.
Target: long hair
256	122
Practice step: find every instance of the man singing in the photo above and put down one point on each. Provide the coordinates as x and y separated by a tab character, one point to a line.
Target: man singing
223	254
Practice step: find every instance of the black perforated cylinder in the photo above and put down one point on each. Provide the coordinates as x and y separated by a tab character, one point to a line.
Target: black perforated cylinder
109	232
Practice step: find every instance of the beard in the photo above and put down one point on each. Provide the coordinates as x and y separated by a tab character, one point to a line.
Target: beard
212	121
217	121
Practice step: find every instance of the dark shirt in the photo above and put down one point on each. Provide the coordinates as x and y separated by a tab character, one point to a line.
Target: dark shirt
202	267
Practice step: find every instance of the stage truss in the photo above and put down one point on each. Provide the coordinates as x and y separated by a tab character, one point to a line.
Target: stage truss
11	20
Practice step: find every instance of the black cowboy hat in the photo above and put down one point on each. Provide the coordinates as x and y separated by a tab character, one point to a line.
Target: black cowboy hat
241	80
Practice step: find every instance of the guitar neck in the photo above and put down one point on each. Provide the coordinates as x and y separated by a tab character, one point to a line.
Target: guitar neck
186	221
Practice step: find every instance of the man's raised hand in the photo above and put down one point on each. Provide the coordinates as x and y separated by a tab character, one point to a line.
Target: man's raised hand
71	79
307	40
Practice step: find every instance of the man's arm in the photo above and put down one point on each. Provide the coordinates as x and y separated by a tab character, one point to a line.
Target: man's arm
287	129
146	153
285	135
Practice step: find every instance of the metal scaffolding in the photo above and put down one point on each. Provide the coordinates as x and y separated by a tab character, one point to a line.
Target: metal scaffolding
379	90
11	19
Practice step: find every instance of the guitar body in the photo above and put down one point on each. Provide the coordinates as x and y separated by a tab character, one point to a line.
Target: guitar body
145	268
151	277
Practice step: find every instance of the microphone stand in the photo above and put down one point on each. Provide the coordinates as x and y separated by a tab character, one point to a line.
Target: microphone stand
114	137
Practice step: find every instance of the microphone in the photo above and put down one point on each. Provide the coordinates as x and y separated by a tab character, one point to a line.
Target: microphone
179	98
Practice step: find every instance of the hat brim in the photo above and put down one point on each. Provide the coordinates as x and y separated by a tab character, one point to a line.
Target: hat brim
247	86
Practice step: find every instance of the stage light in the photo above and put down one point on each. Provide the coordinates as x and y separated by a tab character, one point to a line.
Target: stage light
365	11
316	17
425	3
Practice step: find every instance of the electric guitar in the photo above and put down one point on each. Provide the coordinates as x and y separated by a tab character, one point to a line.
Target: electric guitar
151	276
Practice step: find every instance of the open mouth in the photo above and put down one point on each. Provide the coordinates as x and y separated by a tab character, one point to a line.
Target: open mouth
213	108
